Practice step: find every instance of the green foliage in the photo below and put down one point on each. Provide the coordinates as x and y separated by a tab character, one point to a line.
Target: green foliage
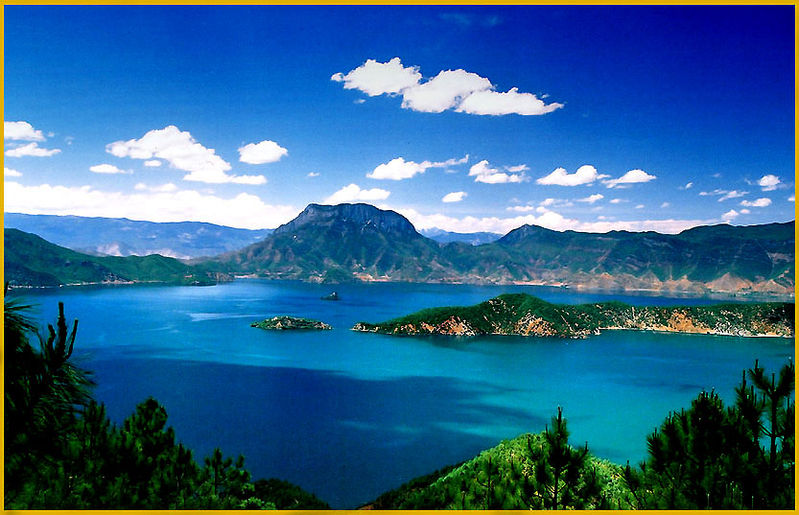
712	457
523	314
532	471
62	451
31	261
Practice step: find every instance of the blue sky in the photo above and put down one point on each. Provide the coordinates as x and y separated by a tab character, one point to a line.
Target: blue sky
462	118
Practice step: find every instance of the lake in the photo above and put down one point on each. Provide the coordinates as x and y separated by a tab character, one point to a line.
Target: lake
350	415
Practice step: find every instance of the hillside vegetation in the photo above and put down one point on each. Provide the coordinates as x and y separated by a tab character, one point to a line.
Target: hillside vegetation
525	315
32	261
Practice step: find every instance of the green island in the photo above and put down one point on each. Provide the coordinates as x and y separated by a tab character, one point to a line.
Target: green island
521	314
286	323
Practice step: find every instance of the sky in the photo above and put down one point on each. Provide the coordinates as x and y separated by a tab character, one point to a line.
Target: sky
463	118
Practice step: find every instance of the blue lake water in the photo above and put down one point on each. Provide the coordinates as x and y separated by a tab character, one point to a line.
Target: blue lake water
350	415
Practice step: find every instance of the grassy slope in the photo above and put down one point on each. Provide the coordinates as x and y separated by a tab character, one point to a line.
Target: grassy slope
459	487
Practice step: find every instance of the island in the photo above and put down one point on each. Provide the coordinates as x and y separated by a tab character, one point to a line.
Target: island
332	296
521	314
283	323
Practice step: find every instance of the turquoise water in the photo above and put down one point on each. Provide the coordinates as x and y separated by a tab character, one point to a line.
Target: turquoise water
350	415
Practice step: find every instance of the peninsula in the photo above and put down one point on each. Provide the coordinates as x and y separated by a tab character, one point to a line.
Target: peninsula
520	314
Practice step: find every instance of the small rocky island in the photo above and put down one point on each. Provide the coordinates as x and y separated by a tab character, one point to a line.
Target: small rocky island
520	314
283	323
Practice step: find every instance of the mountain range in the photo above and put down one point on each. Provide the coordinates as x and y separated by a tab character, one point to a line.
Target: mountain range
351	242
123	237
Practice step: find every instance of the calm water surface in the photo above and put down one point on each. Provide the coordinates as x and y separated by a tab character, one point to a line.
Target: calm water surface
349	415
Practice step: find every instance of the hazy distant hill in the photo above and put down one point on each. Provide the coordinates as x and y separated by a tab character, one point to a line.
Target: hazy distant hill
359	241
31	261
123	237
472	238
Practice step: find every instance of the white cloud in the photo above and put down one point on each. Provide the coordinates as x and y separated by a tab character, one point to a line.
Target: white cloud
744	211
791	198
639	206
398	168
463	91
164	188
375	78
482	172
488	102
8	172
665	205
446	90
687	186
31	149
548	219
152	163
769	182
592	198
517	168
617	201
313	174
761	202
353	193
266	151
181	151
729	215
455	196
107	168
521	209
21	131
631	177
586	174
732	194
167	205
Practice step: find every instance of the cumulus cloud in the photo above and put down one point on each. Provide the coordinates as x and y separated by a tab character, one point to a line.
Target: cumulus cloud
107	168
586	174
639	206
266	151
455	196
375	78
21	131
547	218
32	149
158	189
729	215
687	186
517	168
489	102
631	177
353	193
591	198
9	172
791	198
160	204
769	182
521	209
745	211
313	174
398	168
761	202
182	152
665	205
482	172
463	91
617	201
152	163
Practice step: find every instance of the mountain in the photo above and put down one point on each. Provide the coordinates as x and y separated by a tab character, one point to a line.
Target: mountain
520	314
472	238
32	261
342	243
361	242
123	237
